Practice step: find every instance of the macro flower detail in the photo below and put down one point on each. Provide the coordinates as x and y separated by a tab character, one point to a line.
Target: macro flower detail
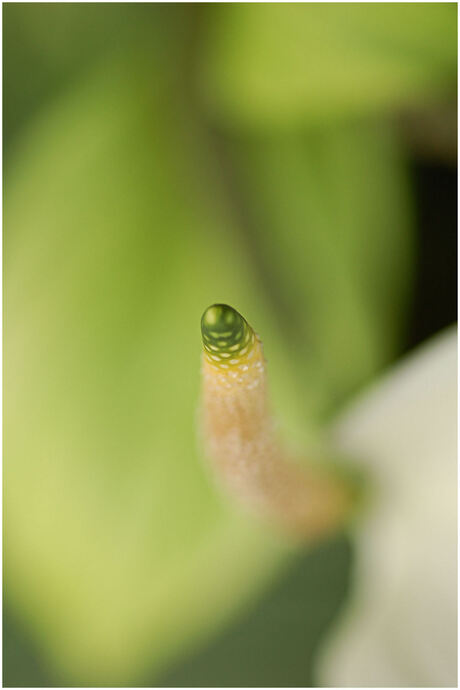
152	169
228	340
241	438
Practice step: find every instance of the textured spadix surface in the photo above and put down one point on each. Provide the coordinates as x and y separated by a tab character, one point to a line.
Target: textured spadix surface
227	336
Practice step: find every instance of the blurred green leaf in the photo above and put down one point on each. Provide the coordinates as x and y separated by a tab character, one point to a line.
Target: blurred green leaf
118	549
47	46
119	552
331	216
274	642
275	64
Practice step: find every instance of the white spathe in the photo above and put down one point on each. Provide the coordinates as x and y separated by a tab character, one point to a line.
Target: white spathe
400	625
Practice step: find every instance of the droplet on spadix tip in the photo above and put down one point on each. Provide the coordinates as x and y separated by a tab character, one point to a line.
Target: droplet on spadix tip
227	336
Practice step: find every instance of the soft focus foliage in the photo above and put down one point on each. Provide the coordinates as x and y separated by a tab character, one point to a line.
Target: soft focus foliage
317	62
149	174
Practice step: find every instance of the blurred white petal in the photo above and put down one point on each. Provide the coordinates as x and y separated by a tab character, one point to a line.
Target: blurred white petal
400	627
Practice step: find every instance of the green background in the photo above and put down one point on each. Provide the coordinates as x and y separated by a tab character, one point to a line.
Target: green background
157	159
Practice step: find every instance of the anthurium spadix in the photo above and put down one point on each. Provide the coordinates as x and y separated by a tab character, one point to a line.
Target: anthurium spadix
400	629
400	625
119	553
243	442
